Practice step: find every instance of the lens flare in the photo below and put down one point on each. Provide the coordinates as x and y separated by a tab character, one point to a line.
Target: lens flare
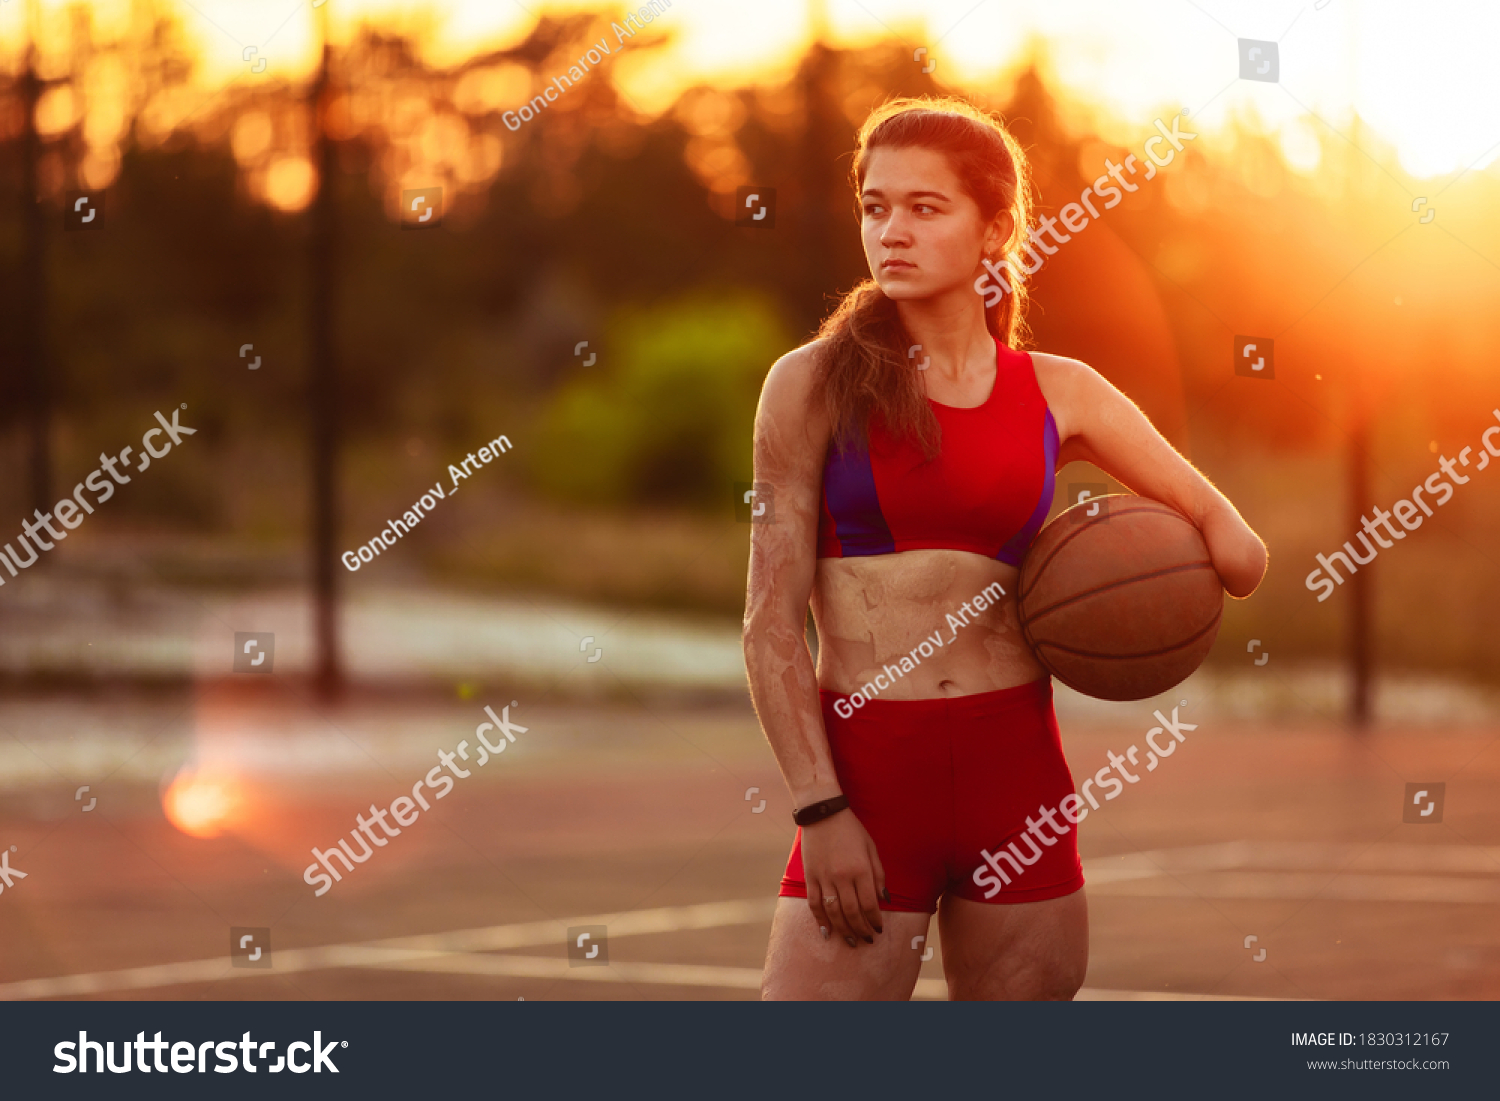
201	805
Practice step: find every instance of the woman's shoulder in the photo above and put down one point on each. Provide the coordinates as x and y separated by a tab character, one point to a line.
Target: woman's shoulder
1063	378
1056	365
804	360
795	375
790	395
1073	391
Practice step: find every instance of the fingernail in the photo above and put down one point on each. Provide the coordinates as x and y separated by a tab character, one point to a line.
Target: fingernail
869	940
824	930
885	893
850	941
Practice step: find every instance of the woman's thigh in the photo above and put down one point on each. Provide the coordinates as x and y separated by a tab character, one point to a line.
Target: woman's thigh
802	966
1025	951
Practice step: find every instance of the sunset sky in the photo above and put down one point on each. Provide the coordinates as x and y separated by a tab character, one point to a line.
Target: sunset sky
1422	77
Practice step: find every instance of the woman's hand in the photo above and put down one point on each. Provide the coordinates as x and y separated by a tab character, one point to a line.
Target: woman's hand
839	862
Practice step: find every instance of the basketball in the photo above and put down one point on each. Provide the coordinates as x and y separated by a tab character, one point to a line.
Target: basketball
1118	598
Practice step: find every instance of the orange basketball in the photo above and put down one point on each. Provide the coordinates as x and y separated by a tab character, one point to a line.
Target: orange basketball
1121	604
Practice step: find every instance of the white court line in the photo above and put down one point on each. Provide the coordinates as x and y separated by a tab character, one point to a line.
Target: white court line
1124	874
724	978
669	919
736	978
1323	886
1383	856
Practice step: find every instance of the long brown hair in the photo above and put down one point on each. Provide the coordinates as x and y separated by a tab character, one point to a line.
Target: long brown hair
863	366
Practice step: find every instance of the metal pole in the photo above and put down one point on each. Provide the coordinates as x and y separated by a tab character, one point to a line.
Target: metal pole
33	294
323	396
1361	618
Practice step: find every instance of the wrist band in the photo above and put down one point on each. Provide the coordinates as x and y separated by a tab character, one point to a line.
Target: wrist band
819	811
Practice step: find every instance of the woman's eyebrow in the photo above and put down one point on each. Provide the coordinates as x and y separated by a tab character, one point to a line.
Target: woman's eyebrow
875	192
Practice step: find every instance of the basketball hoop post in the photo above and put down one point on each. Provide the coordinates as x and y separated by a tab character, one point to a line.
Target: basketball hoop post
1361	597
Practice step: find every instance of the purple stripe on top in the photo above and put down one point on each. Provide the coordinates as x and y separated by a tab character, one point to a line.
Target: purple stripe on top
1013	551
849	489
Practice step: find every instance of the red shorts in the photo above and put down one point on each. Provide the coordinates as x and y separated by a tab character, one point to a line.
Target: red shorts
942	784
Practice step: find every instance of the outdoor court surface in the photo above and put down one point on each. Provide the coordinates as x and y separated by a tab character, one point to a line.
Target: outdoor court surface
635	816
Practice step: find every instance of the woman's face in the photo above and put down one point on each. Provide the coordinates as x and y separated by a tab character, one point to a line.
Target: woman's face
922	233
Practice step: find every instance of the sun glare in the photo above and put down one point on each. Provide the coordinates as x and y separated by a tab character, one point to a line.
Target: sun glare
201	804
1424	88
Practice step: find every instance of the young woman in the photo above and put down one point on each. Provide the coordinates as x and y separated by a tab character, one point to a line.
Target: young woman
910	453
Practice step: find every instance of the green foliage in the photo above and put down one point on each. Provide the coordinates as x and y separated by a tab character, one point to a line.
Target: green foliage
668	415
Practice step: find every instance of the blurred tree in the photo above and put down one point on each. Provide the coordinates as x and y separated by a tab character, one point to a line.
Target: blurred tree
669	417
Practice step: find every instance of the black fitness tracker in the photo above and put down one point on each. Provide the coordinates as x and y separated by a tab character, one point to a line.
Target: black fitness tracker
819	811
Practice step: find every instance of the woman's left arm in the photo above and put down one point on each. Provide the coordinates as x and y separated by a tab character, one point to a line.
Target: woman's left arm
1098	424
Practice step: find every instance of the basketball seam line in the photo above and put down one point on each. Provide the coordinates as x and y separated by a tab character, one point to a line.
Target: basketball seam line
1083	527
1100	519
1132	657
1116	584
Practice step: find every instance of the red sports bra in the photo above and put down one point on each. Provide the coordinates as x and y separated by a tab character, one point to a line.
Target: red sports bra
988	490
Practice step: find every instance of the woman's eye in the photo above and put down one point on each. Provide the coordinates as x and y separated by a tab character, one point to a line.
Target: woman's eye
873	208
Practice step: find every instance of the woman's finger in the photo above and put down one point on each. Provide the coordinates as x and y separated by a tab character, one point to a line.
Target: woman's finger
881	890
833	906
815	903
849	902
869	904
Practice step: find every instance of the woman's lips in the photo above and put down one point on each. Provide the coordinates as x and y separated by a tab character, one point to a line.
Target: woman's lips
898	265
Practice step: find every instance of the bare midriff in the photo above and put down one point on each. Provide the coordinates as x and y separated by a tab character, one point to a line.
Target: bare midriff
873	611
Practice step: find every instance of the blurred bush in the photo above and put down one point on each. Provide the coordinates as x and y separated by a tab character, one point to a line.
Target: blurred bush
667	416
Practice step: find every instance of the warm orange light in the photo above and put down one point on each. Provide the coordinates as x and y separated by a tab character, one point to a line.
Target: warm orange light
201	805
288	183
